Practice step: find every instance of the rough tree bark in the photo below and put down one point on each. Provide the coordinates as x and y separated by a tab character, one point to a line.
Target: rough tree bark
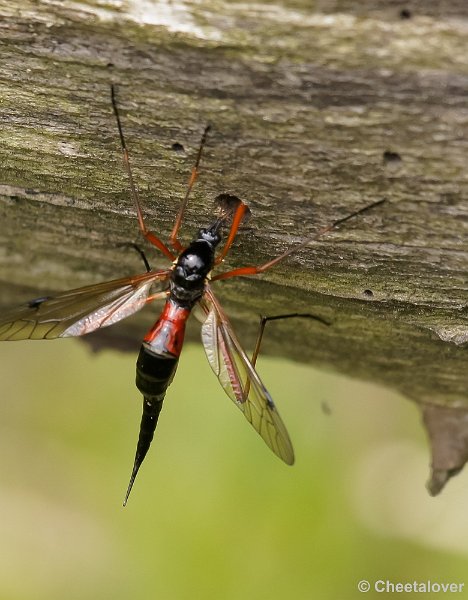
317	108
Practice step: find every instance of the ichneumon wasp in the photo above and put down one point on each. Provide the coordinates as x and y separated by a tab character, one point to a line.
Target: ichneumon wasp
186	283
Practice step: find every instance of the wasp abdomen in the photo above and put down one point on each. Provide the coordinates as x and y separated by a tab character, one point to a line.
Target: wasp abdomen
153	376
154	373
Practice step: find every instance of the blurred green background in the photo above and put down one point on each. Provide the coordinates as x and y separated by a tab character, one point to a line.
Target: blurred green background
214	514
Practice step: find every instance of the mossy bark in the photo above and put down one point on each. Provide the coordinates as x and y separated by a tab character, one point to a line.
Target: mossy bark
317	109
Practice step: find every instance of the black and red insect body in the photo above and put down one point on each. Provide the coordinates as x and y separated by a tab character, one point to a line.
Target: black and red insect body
161	348
186	284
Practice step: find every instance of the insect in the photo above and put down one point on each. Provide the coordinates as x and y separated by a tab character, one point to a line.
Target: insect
186	283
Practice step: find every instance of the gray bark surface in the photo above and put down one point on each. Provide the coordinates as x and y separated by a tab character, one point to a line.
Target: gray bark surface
317	109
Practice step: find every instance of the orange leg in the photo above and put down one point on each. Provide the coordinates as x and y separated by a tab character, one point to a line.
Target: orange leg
255	270
149	235
236	221
157	296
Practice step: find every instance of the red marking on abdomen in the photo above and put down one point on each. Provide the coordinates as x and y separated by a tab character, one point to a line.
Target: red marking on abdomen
167	334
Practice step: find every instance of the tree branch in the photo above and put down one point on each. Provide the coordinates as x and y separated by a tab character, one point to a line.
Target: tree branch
313	116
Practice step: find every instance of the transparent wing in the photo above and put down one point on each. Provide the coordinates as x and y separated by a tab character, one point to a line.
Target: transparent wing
240	380
80	311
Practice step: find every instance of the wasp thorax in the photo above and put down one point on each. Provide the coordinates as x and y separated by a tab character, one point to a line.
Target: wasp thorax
193	265
190	267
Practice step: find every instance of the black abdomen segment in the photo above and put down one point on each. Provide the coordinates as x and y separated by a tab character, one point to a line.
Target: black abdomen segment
154	375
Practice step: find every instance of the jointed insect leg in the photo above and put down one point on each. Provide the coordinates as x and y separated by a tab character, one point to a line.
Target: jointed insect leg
254	270
140	252
264	320
157	296
236	221
149	235
173	239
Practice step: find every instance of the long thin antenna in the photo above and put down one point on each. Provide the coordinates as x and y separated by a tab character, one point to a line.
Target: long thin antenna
193	177
126	161
149	235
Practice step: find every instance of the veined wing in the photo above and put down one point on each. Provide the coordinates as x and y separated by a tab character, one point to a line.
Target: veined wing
80	311
240	380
